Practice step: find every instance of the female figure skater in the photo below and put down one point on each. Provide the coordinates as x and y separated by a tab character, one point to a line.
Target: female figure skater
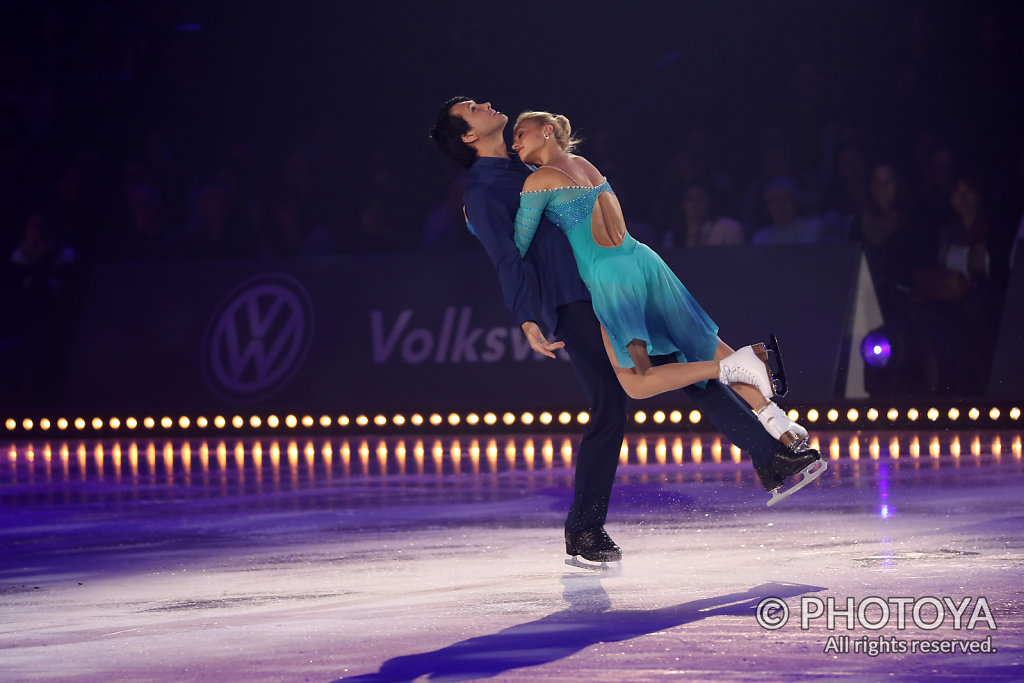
643	308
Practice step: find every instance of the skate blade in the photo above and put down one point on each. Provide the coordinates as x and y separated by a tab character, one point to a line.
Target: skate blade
610	568
779	382
807	475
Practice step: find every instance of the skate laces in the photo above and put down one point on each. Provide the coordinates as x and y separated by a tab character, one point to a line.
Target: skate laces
741	375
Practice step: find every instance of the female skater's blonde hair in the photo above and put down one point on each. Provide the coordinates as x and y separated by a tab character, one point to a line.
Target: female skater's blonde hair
559	123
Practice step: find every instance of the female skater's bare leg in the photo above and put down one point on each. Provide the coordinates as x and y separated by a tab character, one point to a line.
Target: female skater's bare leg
659	379
662	378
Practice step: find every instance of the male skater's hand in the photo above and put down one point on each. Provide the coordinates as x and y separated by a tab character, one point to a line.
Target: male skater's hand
537	340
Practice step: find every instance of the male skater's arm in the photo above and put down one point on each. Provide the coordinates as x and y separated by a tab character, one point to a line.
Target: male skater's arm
492	225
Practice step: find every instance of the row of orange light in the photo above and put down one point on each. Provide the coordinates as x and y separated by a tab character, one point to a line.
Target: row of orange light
545	418
914	448
292	421
912	414
661	450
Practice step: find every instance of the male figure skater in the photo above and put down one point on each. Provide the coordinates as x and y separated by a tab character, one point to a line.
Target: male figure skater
472	134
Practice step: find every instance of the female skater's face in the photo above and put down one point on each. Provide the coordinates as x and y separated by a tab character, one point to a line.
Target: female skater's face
527	139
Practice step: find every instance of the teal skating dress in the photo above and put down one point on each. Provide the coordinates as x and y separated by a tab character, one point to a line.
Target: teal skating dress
634	292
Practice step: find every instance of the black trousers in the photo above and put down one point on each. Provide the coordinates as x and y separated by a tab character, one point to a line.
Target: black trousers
598	452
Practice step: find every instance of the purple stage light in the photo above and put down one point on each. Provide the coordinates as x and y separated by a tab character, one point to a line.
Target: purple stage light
876	349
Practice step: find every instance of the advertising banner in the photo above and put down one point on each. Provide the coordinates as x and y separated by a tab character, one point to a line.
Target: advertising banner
409	332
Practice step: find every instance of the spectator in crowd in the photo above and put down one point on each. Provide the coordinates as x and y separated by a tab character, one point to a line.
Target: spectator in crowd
939	172
217	227
376	230
955	293
80	213
688	166
42	258
242	169
298	233
786	225
847	192
382	219
148	236
700	224
885	228
774	163
964	244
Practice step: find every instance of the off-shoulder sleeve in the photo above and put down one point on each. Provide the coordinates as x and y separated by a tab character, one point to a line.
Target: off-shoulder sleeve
531	209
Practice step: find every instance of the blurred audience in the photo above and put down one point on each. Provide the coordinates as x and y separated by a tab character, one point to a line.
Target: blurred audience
963	264
785	224
298	232
148	236
42	259
954	294
104	122
700	225
885	229
846	194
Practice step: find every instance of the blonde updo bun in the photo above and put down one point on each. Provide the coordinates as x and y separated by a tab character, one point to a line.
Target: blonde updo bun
560	125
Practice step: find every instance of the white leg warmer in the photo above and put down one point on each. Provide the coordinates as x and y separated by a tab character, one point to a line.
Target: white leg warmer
777	423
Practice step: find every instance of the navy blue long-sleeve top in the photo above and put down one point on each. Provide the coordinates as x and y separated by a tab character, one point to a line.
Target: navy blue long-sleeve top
492	198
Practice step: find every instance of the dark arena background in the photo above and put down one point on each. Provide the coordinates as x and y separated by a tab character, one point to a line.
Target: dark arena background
264	415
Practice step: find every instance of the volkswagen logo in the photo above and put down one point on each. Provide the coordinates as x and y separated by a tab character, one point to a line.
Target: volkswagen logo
258	338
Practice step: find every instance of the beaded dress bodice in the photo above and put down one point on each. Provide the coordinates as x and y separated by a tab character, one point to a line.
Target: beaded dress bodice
570	208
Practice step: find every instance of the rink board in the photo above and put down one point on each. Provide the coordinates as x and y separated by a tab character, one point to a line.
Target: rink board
403	332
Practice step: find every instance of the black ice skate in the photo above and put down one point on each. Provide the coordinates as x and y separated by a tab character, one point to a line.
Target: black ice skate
592	544
786	462
778	373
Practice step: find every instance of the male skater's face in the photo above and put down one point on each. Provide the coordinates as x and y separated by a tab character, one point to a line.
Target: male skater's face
482	119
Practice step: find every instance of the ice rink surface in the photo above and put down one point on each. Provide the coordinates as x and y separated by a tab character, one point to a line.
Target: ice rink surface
441	559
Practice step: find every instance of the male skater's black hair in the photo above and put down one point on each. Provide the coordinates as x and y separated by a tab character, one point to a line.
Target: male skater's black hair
448	131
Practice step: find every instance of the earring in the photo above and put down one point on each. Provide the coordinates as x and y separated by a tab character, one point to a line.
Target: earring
546	137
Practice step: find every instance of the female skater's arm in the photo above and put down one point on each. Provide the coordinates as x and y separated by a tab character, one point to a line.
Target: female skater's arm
531	210
526	223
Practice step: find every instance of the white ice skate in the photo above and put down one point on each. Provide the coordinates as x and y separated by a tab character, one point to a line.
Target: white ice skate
807	475
745	367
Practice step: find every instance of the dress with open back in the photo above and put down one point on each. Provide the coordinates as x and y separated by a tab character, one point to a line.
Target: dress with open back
634	292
